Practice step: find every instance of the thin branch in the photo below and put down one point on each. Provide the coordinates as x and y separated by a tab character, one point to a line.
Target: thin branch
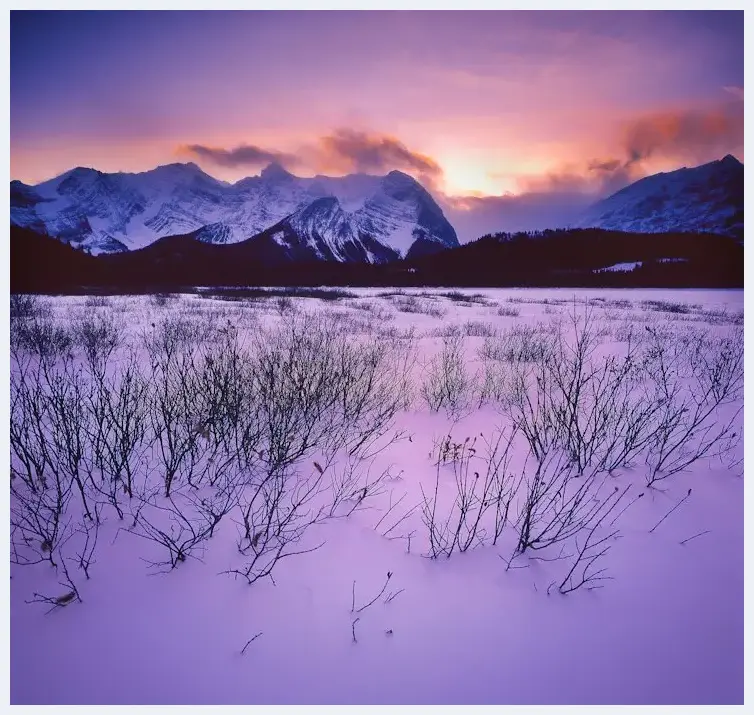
251	640
688	494
701	533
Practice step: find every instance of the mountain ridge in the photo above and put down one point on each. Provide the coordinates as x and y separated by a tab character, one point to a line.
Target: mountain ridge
706	198
107	213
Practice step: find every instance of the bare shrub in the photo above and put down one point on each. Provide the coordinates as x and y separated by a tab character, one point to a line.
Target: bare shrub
277	511
97	301
182	522
521	343
161	300
665	306
375	309
448	384
98	336
480	501
478	329
506	311
24	306
464	298
694	378
412	304
594	545
318	388
119	406
40	336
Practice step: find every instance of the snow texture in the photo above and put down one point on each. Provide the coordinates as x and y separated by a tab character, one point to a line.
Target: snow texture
106	213
707	198
667	630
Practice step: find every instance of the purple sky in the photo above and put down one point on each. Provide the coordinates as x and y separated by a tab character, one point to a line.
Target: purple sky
473	103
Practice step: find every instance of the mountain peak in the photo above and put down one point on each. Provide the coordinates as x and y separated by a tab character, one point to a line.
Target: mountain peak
275	172
730	160
702	199
179	167
397	175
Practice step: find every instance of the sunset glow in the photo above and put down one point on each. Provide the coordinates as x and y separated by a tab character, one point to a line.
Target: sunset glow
471	103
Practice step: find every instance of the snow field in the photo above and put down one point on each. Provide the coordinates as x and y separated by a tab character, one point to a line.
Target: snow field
483	621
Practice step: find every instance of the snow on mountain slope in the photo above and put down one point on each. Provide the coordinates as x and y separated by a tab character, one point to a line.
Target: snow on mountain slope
364	217
707	198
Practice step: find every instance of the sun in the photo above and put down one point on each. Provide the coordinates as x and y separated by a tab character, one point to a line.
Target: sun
468	178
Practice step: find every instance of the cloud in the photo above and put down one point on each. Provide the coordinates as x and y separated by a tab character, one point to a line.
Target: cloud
701	135
737	92
473	217
595	177
692	136
348	150
240	156
343	151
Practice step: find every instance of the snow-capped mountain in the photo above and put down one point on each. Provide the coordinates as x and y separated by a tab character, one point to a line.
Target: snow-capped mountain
355	217
707	198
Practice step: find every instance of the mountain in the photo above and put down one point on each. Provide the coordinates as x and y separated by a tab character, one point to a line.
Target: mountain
351	218
707	198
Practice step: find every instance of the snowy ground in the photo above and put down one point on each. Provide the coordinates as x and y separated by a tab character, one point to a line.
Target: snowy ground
667	627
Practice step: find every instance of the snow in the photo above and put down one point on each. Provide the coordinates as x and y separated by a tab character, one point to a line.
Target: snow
138	209
622	267
667	630
703	198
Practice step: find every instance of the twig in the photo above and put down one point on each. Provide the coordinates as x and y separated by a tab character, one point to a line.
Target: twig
393	595
389	576
353	629
688	494
634	500
248	642
353	596
509	562
701	533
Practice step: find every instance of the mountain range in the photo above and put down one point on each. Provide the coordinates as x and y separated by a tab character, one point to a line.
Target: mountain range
277	216
351	218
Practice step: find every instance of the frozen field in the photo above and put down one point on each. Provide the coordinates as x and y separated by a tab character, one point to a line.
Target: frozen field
378	496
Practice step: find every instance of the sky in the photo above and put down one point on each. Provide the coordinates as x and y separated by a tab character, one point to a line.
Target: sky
483	107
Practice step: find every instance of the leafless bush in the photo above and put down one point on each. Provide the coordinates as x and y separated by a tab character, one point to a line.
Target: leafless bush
175	417
554	504
595	408
38	519
458	296
508	311
284	305
666	306
182	522
119	405
594	545
98	336
276	513
412	304
478	329
522	343
375	309
694	380
24	306
479	504
448	384
172	334
317	387
40	336
97	301
160	300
